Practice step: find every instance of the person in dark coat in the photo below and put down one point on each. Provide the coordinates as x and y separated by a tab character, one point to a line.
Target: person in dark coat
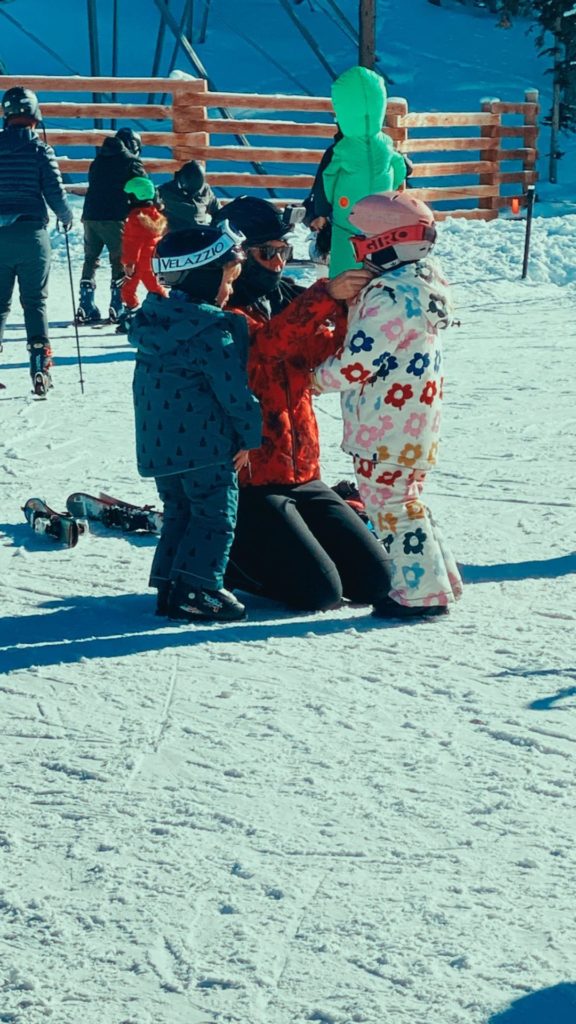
296	540
29	179
106	207
188	199
195	418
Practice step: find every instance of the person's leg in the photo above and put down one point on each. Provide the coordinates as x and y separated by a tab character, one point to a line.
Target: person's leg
32	248
147	275
275	554
359	557
111	232
93	245
423	572
128	291
7	277
202	553
174	523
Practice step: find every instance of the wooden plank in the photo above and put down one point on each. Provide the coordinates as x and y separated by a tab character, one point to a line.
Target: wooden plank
244	153
447	120
527	153
509	132
68	137
295	181
221	126
515	177
515	108
252	101
71	166
453	169
444	145
150	111
82	83
431	195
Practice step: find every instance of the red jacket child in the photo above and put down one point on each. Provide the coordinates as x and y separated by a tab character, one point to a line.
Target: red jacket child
143	228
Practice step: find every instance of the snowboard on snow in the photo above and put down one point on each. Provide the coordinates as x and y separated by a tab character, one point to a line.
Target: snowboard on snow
61	526
114	513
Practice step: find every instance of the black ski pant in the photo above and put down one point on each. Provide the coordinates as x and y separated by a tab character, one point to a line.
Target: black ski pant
97	235
301	544
25	257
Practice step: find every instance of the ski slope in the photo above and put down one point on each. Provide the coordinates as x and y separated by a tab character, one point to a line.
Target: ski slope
301	817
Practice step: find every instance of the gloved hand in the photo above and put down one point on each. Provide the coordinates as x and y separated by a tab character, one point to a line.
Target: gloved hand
65	226
129	269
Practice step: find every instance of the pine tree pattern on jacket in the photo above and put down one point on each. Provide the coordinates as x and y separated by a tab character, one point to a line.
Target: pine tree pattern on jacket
193	407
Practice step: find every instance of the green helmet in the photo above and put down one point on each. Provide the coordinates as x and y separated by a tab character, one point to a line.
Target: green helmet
141	188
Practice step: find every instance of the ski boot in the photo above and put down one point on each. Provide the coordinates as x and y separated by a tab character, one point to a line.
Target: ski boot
40	366
116	305
125	319
193	604
87	312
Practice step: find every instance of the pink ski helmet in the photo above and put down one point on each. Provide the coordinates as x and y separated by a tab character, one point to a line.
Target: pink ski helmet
395	229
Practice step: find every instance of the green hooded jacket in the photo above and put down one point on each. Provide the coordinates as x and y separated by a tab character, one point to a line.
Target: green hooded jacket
364	160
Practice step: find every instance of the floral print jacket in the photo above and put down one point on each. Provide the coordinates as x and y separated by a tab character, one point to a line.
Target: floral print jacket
390	368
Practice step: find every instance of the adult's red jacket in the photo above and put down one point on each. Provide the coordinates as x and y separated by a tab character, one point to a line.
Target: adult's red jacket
282	353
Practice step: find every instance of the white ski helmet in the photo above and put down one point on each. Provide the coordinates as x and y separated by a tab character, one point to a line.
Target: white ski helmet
395	228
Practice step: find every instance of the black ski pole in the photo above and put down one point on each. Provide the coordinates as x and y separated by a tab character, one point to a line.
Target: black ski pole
530	196
74	309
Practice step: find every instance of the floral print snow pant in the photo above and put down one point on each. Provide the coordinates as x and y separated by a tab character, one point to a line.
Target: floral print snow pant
422	568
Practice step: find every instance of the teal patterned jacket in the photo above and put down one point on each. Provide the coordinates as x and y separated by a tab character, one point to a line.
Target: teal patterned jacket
192	404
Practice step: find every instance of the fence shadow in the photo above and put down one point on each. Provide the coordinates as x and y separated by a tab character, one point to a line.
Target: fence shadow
556	1005
547	568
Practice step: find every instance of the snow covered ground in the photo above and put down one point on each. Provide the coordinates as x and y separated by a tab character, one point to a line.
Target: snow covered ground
302	817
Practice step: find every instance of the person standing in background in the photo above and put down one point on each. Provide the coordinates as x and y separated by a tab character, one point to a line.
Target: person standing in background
29	179
106	207
188	199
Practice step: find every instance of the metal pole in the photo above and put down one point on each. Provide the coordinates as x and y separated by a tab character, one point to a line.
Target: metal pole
74	310
114	53
94	51
158	50
555	119
530	197
367	33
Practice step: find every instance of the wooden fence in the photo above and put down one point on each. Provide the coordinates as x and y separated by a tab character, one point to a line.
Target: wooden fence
479	159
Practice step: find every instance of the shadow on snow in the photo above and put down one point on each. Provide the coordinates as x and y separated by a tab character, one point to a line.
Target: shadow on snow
546	568
556	1005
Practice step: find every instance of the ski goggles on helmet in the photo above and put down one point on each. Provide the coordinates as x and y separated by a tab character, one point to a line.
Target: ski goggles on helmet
269	252
376	249
227	248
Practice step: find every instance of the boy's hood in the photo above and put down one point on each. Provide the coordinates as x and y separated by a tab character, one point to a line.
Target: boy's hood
162	324
359	101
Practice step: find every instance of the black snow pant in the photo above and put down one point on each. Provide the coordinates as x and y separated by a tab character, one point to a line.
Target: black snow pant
301	544
25	257
97	235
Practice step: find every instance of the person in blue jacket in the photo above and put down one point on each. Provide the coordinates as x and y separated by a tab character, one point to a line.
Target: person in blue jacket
196	418
30	182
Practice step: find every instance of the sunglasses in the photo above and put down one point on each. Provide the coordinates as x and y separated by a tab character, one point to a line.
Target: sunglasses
269	252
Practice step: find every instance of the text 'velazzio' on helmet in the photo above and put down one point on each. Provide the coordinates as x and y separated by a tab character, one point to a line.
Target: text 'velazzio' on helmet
192	259
396	229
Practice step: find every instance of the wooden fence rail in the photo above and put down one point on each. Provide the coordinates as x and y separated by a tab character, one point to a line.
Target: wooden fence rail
475	158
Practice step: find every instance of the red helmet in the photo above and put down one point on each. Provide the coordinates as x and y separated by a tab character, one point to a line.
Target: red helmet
395	229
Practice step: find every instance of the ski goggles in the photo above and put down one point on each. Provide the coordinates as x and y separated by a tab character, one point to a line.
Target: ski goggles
367	249
270	252
226	249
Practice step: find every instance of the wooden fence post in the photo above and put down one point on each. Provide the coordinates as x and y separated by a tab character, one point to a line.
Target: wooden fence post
187	111
530	139
493	155
397	120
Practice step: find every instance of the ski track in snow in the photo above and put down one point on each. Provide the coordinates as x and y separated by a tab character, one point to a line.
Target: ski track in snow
301	817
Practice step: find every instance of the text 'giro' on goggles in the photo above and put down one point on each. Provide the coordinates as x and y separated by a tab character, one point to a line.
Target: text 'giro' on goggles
226	249
366	249
269	252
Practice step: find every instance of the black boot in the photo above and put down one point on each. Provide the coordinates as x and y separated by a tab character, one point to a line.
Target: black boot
389	609
196	603
87	311
163	599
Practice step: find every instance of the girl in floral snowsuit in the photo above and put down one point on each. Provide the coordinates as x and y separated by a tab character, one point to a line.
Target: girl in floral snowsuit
390	376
